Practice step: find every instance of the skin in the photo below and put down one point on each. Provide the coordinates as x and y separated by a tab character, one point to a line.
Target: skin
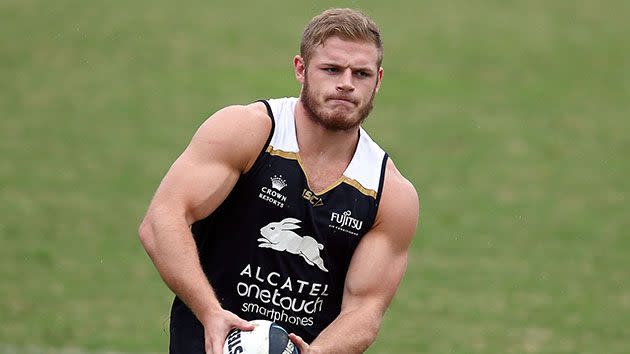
341	78
347	102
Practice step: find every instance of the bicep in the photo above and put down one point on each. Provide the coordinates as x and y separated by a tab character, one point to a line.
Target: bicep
374	274
196	186
380	260
205	173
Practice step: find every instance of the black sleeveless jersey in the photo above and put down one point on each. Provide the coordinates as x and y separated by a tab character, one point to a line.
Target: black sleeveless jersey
276	250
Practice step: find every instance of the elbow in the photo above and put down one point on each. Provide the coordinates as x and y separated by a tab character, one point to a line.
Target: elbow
371	331
371	327
145	234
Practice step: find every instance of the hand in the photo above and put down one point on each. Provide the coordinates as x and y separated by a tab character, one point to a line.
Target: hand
299	343
218	325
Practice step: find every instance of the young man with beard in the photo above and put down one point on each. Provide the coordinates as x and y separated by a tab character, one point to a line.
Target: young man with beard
286	210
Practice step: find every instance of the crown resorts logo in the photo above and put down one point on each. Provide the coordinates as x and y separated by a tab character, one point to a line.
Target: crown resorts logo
272	195
278	183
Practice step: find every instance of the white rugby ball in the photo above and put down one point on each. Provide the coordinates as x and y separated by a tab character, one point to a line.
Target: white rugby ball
266	338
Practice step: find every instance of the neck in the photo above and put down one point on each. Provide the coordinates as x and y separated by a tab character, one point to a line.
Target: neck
316	141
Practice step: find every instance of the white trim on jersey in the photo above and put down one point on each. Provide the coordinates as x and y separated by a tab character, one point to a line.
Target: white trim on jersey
365	166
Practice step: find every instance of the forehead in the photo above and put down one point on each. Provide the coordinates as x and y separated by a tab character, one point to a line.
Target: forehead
346	52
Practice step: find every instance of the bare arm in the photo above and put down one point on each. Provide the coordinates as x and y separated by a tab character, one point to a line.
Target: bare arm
375	272
225	146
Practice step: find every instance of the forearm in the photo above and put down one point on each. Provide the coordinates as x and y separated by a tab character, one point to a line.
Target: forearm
171	246
352	332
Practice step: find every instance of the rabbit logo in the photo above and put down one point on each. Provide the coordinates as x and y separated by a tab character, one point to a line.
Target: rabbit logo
278	236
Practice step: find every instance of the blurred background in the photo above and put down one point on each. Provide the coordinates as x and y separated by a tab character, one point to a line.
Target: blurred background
510	117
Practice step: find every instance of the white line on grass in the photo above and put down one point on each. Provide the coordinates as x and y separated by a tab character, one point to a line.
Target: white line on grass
14	349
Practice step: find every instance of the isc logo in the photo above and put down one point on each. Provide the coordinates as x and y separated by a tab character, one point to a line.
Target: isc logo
312	197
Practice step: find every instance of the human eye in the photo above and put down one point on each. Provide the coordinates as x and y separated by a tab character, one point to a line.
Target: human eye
331	69
362	74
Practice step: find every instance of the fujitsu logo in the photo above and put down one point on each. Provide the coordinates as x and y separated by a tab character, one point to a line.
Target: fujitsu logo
278	183
344	220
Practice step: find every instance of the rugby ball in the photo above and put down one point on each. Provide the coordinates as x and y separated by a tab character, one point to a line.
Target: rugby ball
266	338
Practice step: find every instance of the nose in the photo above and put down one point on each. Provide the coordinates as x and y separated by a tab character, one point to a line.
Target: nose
345	81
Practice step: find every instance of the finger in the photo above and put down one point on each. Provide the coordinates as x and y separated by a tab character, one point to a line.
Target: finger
240	323
244	325
217	346
208	348
208	343
299	342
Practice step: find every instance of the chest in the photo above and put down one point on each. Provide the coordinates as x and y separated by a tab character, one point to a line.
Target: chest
324	203
321	175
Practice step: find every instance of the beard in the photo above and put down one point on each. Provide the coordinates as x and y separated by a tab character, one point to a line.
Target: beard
339	118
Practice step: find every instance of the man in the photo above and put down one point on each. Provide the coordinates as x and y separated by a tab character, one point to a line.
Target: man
286	210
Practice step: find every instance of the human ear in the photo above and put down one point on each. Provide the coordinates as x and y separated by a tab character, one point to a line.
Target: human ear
300	68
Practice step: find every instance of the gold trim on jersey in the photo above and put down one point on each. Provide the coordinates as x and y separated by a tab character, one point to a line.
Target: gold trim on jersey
343	179
369	192
283	154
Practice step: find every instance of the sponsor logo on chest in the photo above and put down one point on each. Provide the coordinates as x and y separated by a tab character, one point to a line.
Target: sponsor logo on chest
272	194
343	221
312	197
279	236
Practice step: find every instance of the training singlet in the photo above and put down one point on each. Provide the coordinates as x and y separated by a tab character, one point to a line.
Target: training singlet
276	250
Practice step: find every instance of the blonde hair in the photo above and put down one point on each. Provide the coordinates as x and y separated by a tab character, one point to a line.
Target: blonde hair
347	24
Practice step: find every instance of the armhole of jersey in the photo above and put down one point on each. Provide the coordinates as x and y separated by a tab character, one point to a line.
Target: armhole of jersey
380	187
256	164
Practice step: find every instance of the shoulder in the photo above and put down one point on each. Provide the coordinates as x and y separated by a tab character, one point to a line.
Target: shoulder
239	131
395	183
239	118
399	205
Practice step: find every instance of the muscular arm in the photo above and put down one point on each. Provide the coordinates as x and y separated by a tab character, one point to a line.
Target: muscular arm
375	271
225	146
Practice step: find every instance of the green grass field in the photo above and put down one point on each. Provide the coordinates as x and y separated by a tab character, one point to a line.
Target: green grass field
510	117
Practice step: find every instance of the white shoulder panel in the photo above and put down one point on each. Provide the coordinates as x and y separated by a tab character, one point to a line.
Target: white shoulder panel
366	164
365	168
284	138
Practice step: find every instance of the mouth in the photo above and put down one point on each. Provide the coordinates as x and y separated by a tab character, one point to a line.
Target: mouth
342	100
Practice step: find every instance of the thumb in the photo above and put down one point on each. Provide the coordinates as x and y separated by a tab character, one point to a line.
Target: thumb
301	345
244	325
